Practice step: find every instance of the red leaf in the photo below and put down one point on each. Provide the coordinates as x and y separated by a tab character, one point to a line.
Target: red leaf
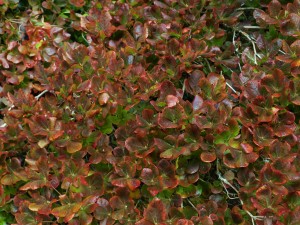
144	222
133	184
171	117
67	212
167	174
84	86
193	167
274	8
103	98
14	57
234	158
275	82
171	100
279	150
236	214
33	185
139	146
119	182
208	156
149	176
269	174
9	179
247	147
291	27
197	103
155	212
103	209
3	60
263	18
263	135
77	3
184	222
26	218
40	204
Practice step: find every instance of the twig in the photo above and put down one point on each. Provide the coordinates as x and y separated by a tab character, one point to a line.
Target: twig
223	180
233	40
39	95
228	194
231	88
240	67
85	39
3	125
235	48
282	52
250	39
10	107
230	85
252	27
245	8
56	190
192	204
253	44
208	65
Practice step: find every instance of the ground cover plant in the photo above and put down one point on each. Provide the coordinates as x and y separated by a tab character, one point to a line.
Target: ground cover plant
142	112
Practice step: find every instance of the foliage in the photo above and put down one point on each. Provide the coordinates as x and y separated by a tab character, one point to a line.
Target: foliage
149	112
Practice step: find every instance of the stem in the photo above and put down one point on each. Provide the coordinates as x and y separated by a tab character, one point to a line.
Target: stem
208	65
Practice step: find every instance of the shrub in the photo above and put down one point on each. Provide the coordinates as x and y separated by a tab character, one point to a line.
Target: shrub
149	112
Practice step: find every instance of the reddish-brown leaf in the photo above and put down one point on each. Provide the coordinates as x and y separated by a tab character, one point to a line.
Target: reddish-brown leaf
73	146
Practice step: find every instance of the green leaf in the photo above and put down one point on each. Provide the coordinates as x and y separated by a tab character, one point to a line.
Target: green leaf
107	127
223	138
89	140
217	41
186	192
165	194
189	212
6	218
121	117
161	104
175	35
